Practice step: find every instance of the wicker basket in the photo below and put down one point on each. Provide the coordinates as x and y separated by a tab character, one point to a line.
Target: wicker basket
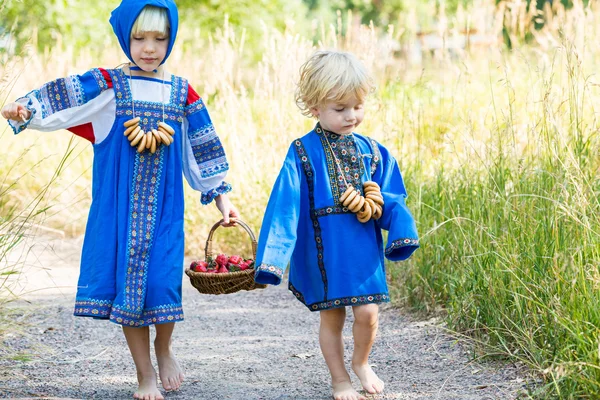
224	283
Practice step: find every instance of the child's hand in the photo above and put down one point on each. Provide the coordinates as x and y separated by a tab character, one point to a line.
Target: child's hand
227	209
16	112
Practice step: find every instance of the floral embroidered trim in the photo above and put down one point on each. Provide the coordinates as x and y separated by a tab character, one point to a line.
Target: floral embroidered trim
209	196
321	212
296	293
157	315
61	94
271	269
208	151
150	113
20	126
376	160
92	308
308	171
343	301
398	243
196	106
104	309
100	80
344	148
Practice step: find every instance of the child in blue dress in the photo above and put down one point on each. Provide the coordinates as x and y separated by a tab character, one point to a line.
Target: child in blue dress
334	194
146	127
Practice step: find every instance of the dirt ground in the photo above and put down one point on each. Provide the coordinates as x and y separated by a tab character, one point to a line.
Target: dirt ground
248	345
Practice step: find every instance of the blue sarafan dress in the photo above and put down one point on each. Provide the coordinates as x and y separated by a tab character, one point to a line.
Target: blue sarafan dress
335	260
132	257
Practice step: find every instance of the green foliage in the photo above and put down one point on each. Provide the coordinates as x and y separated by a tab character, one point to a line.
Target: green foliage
84	23
70	22
380	12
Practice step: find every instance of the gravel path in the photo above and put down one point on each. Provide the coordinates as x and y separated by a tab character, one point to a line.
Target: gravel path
248	345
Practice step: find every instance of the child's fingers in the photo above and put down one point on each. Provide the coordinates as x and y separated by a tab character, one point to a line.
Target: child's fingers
15	111
23	114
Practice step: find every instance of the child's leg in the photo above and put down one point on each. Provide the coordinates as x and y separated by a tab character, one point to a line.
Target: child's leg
332	347
171	375
364	330
138	340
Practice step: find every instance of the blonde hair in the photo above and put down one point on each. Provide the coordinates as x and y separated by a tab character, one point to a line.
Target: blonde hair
331	76
151	19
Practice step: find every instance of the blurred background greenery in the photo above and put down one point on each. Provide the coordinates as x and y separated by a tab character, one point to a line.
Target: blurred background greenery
58	22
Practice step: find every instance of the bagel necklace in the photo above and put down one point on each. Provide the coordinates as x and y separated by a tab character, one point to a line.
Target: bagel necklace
150	140
369	206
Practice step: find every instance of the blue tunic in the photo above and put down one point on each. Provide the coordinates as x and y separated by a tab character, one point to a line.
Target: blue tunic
335	260
132	257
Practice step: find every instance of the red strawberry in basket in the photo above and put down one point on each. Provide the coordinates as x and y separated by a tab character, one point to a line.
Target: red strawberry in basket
244	266
222	270
222	260
201	266
235	259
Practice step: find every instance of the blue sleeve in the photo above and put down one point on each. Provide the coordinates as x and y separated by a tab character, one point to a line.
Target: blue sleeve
278	232
397	219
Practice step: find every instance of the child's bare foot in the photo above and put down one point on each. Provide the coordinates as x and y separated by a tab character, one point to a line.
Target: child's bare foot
147	389
169	371
344	391
368	379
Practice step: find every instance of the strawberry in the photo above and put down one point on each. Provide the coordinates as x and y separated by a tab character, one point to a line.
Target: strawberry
222	270
201	266
235	259
222	260
244	266
193	265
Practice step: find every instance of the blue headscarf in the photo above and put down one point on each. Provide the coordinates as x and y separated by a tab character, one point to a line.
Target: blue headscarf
123	17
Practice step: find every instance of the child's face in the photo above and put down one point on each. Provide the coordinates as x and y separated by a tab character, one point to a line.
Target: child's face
148	49
341	118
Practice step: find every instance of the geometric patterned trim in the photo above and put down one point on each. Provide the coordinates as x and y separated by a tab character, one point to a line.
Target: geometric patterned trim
296	293
196	106
376	156
104	309
61	94
20	126
208	151
93	308
271	269
342	301
159	315
322	212
209	196
396	244
342	148
303	156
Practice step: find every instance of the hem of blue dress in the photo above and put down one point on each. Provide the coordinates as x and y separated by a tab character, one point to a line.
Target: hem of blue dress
103	309
342	301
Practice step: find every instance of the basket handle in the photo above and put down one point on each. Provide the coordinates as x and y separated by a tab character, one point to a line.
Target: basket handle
208	250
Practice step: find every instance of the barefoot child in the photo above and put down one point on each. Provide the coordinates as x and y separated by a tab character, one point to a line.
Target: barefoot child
335	192
146	127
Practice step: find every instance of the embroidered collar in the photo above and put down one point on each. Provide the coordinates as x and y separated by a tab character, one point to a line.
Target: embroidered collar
331	135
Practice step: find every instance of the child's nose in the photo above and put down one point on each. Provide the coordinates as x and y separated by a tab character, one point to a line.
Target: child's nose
149	47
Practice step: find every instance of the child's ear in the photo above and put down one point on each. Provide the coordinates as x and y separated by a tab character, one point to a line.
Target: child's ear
315	112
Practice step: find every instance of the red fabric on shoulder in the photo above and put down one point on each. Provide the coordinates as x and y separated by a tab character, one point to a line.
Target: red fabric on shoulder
192	96
107	77
85	131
